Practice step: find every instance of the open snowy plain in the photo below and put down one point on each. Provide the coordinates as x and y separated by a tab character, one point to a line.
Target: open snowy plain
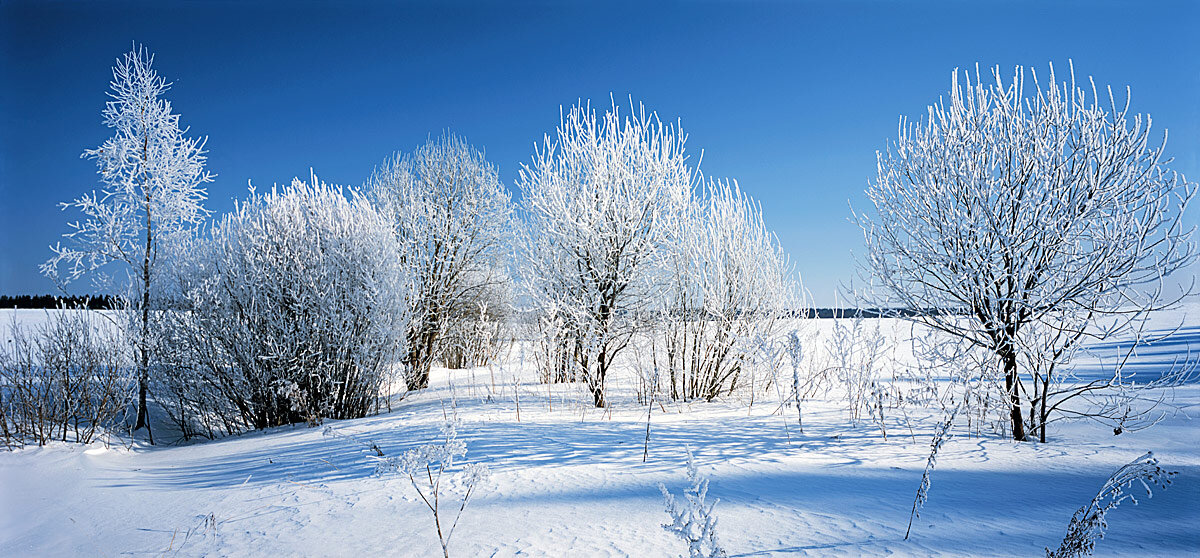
569	480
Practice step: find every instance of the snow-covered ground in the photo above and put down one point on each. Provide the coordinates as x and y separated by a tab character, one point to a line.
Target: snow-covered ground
568	480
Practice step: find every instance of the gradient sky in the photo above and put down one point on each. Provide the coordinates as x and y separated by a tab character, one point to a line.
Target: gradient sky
791	99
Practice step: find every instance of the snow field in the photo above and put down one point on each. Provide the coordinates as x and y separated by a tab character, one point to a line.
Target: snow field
568	479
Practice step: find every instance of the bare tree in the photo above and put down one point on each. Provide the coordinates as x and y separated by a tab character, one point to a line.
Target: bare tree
152	175
452	215
1026	225
597	199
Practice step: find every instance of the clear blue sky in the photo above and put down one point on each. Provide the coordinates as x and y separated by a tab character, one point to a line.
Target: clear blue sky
791	99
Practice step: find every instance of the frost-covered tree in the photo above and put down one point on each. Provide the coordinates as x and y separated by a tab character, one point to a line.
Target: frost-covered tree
452	215
597	199
153	176
1025	225
294	308
728	282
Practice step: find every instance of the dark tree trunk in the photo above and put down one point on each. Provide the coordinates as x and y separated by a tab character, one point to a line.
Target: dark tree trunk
421	343
597	381
1045	413
1011	385
143	415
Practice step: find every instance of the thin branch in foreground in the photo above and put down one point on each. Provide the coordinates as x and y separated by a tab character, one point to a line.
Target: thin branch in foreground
939	437
1088	524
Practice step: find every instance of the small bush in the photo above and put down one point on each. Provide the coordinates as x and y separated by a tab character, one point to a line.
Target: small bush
66	379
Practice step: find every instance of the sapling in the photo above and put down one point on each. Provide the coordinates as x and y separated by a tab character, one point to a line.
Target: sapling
1088	524
154	177
795	351
693	520
651	391
431	463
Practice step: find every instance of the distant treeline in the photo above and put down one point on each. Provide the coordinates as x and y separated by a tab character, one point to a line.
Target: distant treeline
826	313
94	302
107	302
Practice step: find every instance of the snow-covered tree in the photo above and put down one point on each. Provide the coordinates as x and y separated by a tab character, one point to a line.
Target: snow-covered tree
153	176
1025	225
728	284
452	215
597	200
295	309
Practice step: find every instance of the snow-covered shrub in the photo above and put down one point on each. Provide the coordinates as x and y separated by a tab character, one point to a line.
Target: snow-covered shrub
67	379
693	520
295	310
856	351
728	284
452	215
1088	523
597	201
430	468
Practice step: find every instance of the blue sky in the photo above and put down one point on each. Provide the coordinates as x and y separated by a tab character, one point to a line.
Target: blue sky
791	99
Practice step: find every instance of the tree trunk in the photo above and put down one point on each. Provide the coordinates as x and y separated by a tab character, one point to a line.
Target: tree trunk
1045	413
143	415
596	384
1011	385
420	360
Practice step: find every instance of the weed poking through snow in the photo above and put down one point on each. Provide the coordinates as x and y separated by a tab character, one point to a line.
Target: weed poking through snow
1088	524
693	519
939	437
427	466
